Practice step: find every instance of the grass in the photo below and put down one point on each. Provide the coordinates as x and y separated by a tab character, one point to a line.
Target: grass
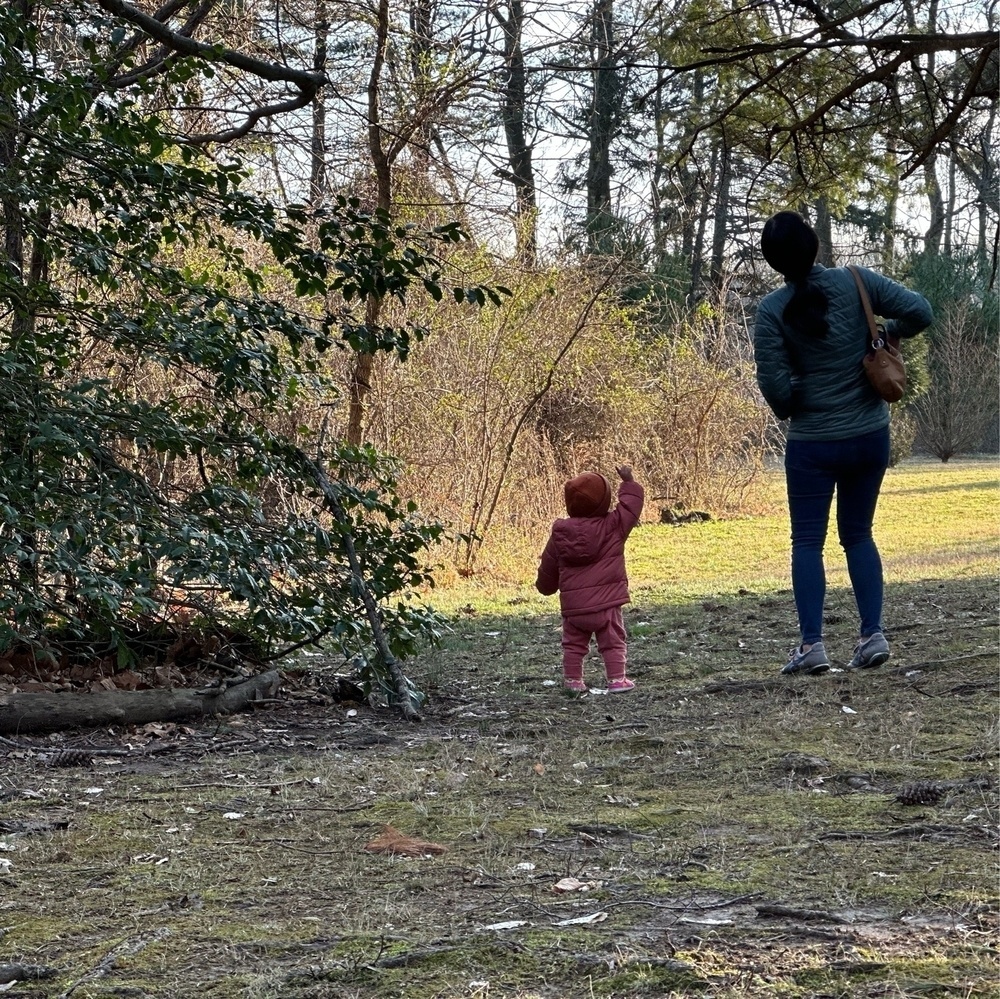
693	809
934	520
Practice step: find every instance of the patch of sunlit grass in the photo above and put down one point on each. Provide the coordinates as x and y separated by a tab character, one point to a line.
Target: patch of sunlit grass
934	521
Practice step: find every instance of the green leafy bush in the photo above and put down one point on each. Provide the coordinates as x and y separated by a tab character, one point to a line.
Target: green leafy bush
149	368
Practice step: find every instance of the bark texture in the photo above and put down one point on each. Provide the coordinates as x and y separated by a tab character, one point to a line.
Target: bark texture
25	713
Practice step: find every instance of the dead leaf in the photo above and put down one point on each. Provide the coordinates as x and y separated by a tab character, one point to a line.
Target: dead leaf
594	917
393	841
575	884
510	924
539	768
157	728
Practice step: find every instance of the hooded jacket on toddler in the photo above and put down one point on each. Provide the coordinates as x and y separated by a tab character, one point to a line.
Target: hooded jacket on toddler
584	559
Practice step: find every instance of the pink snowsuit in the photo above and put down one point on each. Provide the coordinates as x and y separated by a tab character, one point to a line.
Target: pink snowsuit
584	559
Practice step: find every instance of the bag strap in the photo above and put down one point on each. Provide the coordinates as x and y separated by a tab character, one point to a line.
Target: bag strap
874	334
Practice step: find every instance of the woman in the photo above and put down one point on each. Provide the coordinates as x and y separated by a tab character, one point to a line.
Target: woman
809	341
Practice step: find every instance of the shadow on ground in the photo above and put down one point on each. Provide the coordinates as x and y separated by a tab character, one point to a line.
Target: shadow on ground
719	831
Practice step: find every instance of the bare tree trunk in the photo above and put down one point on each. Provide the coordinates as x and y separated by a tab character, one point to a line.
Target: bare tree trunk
950	211
519	151
601	125
987	187
721	226
421	33
935	230
360	380
317	167
698	249
694	208
659	156
891	208
824	229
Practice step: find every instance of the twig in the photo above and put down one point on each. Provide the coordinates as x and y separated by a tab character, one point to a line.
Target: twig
739	900
991	653
107	964
405	960
818	915
602	830
332	500
166	747
903	832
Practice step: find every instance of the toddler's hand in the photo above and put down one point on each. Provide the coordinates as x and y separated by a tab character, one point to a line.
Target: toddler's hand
625	471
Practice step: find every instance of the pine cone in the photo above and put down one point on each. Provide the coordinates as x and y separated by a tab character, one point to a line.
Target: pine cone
921	792
71	758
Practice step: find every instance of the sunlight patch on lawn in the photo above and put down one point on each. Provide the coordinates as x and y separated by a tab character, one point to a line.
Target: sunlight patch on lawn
934	521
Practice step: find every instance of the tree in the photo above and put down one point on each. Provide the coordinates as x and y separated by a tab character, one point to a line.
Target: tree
151	367
514	114
390	135
862	49
796	89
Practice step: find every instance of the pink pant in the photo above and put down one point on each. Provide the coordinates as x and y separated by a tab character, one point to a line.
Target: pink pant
609	628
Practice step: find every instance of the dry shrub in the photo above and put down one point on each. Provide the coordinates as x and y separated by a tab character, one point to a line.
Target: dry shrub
961	402
707	445
496	408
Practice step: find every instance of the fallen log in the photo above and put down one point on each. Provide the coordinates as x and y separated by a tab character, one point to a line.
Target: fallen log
25	713
10	973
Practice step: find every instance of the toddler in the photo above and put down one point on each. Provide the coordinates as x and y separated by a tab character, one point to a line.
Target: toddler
584	560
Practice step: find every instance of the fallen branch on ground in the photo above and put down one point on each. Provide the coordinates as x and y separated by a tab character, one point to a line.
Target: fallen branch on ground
109	962
807	915
23	713
753	687
24	973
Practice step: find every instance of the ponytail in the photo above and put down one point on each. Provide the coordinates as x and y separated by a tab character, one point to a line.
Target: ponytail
790	246
805	313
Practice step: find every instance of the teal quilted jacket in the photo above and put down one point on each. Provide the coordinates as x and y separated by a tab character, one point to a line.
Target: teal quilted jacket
819	385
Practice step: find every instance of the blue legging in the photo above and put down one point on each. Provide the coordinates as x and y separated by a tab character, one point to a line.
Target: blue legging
855	468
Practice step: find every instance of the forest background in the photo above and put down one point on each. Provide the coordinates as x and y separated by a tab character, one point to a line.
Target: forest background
301	298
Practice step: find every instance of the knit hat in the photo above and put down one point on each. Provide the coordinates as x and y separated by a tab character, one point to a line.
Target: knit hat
588	495
789	244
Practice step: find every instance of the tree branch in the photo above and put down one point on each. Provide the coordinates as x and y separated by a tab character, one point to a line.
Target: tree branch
944	129
307	82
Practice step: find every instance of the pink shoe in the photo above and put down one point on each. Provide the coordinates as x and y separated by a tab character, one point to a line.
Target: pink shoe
620	685
577	686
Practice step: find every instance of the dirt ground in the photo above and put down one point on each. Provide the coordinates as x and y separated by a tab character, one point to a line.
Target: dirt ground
719	831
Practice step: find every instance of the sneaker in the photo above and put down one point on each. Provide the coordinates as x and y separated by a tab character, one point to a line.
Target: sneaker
813	662
576	686
621	685
872	653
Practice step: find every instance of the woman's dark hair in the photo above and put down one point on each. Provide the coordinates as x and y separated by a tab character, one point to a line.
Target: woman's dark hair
790	246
